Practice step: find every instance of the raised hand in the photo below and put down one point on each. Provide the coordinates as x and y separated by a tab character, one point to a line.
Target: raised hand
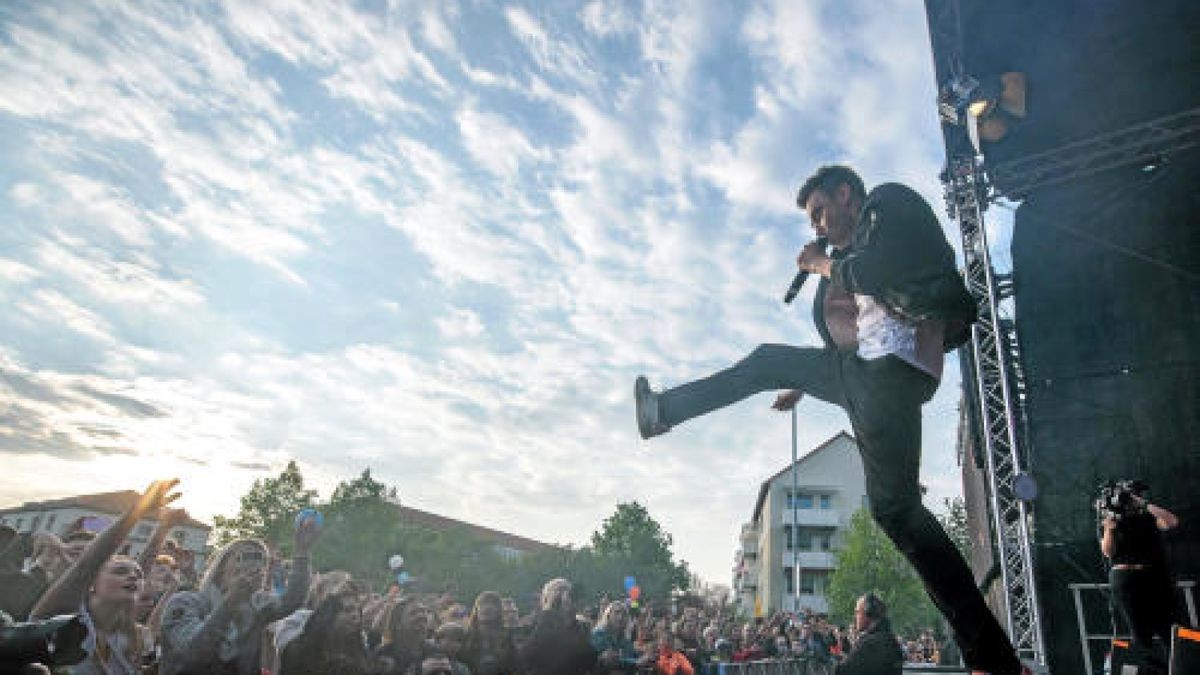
787	400
158	496
306	535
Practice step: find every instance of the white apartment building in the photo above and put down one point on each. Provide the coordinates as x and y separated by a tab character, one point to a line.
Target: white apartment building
799	528
96	511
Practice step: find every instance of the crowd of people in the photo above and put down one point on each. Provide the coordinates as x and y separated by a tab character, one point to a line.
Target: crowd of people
247	613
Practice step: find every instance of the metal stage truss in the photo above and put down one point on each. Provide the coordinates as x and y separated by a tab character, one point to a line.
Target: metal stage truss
1145	142
994	356
996	360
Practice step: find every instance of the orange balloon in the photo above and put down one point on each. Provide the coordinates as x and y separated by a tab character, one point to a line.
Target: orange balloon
635	592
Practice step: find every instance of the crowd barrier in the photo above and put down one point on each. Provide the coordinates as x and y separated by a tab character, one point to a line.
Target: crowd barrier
811	667
781	667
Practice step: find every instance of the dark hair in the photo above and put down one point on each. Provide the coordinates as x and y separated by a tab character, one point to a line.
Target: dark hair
828	179
873	606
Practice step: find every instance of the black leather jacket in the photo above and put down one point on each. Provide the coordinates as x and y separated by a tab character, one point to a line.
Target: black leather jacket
900	256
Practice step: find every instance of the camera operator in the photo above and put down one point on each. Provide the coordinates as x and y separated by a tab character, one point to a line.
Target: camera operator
1141	580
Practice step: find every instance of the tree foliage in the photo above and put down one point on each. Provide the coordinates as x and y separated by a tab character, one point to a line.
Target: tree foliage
869	561
268	509
954	520
363	529
633	544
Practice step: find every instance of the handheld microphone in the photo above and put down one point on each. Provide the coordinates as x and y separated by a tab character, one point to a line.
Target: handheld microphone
801	277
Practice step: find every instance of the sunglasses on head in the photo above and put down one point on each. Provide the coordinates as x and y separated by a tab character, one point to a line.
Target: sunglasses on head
126	568
250	555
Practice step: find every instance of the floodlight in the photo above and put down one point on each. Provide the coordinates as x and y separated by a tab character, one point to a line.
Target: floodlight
986	107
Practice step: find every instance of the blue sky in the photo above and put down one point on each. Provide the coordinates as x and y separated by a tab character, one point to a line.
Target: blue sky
437	239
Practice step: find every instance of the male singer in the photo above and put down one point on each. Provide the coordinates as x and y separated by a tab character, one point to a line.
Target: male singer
889	302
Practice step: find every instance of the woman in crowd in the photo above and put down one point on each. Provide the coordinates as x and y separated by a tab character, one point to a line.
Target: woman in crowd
103	589
489	648
218	629
615	651
558	643
405	637
331	639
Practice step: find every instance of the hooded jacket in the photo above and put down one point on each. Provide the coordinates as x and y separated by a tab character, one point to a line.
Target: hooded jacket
202	635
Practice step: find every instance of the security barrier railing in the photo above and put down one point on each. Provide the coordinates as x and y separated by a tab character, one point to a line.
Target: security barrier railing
810	666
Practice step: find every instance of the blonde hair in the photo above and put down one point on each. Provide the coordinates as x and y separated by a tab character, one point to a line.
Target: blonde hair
606	616
552	590
212	573
124	624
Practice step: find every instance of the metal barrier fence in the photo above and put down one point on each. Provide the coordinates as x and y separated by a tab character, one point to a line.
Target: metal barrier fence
788	667
810	667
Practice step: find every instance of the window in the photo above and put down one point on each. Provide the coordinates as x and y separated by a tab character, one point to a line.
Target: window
789	581
825	541
787	534
144	530
802	501
179	536
20	522
808	583
826	502
50	521
804	539
37	520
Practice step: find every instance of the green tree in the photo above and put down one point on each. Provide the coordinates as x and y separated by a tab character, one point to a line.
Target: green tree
364	489
630	542
362	529
870	562
954	520
268	509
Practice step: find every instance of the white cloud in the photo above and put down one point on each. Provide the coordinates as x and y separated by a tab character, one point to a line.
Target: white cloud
608	215
55	309
494	143
606	18
461	323
557	55
26	194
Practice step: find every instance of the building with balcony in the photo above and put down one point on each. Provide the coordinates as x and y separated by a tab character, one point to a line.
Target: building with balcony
786	553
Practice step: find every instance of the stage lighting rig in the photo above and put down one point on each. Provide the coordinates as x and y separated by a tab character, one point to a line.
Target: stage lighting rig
987	107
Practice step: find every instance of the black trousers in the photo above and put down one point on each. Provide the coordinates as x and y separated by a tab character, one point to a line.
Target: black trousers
883	398
1147	602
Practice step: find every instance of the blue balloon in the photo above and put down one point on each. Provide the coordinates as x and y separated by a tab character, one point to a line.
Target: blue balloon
630	582
306	514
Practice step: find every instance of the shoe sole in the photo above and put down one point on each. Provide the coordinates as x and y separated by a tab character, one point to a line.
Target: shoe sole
641	395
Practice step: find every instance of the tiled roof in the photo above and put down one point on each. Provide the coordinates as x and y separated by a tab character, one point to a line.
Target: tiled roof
114	503
433	521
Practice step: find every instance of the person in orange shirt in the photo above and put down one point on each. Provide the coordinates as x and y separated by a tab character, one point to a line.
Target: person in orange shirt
671	661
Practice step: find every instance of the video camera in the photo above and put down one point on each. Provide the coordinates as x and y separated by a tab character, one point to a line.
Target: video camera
1117	499
57	641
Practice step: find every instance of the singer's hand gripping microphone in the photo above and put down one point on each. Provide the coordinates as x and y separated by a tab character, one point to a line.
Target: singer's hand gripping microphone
801	277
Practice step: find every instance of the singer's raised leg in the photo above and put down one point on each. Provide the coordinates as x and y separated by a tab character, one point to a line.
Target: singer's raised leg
816	372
